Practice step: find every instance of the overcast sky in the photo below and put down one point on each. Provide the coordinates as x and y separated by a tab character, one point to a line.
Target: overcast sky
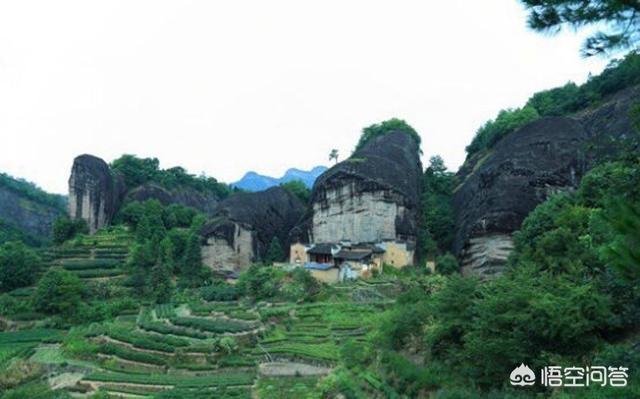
224	87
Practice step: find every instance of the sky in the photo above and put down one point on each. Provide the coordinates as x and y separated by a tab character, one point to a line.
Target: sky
225	87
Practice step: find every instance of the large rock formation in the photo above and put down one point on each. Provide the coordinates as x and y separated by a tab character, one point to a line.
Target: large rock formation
96	193
372	196
244	225
204	202
92	193
24	216
501	186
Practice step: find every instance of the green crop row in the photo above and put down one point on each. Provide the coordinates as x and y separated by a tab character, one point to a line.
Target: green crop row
85	264
230	379
212	325
147	323
36	335
165	311
129	354
95	273
326	351
160	343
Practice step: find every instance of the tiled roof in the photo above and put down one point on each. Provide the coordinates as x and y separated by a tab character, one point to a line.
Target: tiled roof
322	249
353	255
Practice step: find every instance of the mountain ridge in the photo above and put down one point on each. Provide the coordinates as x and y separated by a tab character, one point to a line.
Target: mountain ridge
254	181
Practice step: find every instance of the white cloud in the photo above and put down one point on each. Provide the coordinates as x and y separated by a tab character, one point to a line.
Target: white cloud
227	87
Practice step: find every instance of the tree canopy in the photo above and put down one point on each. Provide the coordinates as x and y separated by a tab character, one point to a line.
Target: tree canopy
621	18
385	127
137	171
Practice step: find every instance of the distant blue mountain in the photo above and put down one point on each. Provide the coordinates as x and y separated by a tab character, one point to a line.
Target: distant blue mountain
253	181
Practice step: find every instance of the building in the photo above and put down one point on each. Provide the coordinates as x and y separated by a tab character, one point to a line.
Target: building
332	262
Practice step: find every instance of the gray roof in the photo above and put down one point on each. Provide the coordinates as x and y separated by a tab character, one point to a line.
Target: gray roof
322	249
353	255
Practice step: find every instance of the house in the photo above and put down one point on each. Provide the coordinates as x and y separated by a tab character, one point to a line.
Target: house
345	260
325	272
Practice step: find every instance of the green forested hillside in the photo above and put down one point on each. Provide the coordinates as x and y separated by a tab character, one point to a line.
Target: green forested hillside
26	211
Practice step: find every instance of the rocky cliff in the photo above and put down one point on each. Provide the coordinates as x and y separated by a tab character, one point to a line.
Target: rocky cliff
244	224
27	213
372	196
96	193
501	186
92	192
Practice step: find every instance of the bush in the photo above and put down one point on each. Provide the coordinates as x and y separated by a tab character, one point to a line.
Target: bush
18	266
506	122
65	229
219	291
447	264
386	127
58	292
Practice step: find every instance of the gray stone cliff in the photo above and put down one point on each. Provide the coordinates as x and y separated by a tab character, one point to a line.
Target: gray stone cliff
372	196
244	224
501	186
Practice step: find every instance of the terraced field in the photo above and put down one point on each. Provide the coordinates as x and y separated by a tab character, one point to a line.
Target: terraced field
96	257
200	349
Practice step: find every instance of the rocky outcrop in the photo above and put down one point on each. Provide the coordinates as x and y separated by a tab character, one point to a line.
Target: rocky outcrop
501	186
204	202
372	196
93	195
31	220
96	193
244	224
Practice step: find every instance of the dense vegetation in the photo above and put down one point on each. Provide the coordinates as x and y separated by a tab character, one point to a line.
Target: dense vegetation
559	101
385	127
31	191
137	171
436	231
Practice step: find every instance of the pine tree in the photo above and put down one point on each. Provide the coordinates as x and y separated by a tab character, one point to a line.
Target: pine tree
192	261
161	283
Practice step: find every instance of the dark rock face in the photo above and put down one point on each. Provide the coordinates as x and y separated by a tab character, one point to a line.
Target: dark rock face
244	224
35	219
372	196
499	188
96	193
203	202
93	195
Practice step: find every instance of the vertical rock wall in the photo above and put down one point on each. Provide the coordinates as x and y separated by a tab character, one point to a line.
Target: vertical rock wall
372	196
92	195
501	186
244	224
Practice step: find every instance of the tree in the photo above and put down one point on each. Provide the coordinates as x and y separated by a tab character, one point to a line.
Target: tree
436	230
299	189
191	271
18	266
333	155
447	264
506	122
386	127
275	252
65	229
161	283
622	17
58	292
